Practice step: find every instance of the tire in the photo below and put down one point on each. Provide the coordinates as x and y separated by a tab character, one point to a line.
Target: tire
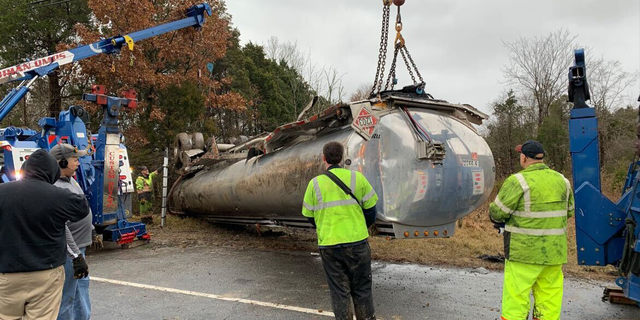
198	141
185	159
181	143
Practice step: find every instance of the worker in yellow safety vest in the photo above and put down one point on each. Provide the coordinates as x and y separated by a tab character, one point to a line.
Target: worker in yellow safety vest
341	204
144	188
533	206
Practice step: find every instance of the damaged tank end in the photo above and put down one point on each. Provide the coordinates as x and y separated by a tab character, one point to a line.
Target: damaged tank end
423	156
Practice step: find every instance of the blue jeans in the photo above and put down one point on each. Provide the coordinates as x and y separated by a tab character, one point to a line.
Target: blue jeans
75	295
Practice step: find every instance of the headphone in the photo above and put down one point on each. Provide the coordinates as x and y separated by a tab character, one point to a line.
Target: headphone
64	163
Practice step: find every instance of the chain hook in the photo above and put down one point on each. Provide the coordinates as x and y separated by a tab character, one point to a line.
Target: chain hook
399	37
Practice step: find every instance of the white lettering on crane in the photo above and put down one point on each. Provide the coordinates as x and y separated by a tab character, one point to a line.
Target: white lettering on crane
18	71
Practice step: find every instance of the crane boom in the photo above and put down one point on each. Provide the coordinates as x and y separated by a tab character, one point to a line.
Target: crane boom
31	70
100	173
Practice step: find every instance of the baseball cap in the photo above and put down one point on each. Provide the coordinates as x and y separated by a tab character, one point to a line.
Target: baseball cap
531	149
67	151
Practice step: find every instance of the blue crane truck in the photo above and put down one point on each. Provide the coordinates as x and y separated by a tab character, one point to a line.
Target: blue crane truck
607	232
100	174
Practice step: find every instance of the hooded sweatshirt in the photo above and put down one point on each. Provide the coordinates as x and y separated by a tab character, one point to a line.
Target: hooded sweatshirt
81	230
33	213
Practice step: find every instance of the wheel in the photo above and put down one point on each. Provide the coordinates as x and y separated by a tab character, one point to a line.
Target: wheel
185	159
183	142
125	246
198	141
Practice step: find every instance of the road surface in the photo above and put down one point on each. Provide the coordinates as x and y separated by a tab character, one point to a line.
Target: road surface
158	282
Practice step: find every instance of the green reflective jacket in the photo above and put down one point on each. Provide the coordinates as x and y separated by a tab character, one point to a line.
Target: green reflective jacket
339	218
535	204
145	184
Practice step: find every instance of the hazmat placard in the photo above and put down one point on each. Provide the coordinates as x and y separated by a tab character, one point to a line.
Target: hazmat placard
364	122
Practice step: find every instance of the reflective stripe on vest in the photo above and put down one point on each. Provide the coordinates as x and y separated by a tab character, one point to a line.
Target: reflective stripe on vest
324	205
330	204
353	182
566	181
536	232
501	205
527	192
316	188
541	214
527	213
368	196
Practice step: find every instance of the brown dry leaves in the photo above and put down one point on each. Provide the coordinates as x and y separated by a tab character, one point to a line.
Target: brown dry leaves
157	62
156	115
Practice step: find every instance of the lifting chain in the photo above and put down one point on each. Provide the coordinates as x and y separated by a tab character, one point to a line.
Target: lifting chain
392	70
400	47
382	53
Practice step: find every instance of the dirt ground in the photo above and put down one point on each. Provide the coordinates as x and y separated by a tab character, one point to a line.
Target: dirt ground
475	236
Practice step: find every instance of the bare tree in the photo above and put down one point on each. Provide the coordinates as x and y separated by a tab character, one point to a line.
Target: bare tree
326	81
287	52
539	66
361	93
334	88
607	83
272	48
313	76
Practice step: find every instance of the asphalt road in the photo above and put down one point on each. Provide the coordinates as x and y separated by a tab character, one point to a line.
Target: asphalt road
153	282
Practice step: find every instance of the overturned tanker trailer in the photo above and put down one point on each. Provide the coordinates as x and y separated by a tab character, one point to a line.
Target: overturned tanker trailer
423	156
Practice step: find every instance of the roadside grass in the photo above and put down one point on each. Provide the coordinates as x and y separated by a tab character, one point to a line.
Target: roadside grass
476	237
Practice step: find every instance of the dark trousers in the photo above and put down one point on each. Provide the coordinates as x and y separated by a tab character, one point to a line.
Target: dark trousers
348	272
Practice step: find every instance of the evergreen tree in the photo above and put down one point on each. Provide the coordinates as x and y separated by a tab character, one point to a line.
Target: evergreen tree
34	29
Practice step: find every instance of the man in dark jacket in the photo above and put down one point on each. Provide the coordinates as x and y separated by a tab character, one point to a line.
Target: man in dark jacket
33	213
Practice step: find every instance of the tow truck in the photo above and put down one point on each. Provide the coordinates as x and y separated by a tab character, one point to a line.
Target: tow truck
100	174
607	232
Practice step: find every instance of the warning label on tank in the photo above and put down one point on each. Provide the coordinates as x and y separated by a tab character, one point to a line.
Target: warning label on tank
420	181
364	122
478	182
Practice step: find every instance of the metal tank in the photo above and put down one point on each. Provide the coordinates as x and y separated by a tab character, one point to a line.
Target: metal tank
421	194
